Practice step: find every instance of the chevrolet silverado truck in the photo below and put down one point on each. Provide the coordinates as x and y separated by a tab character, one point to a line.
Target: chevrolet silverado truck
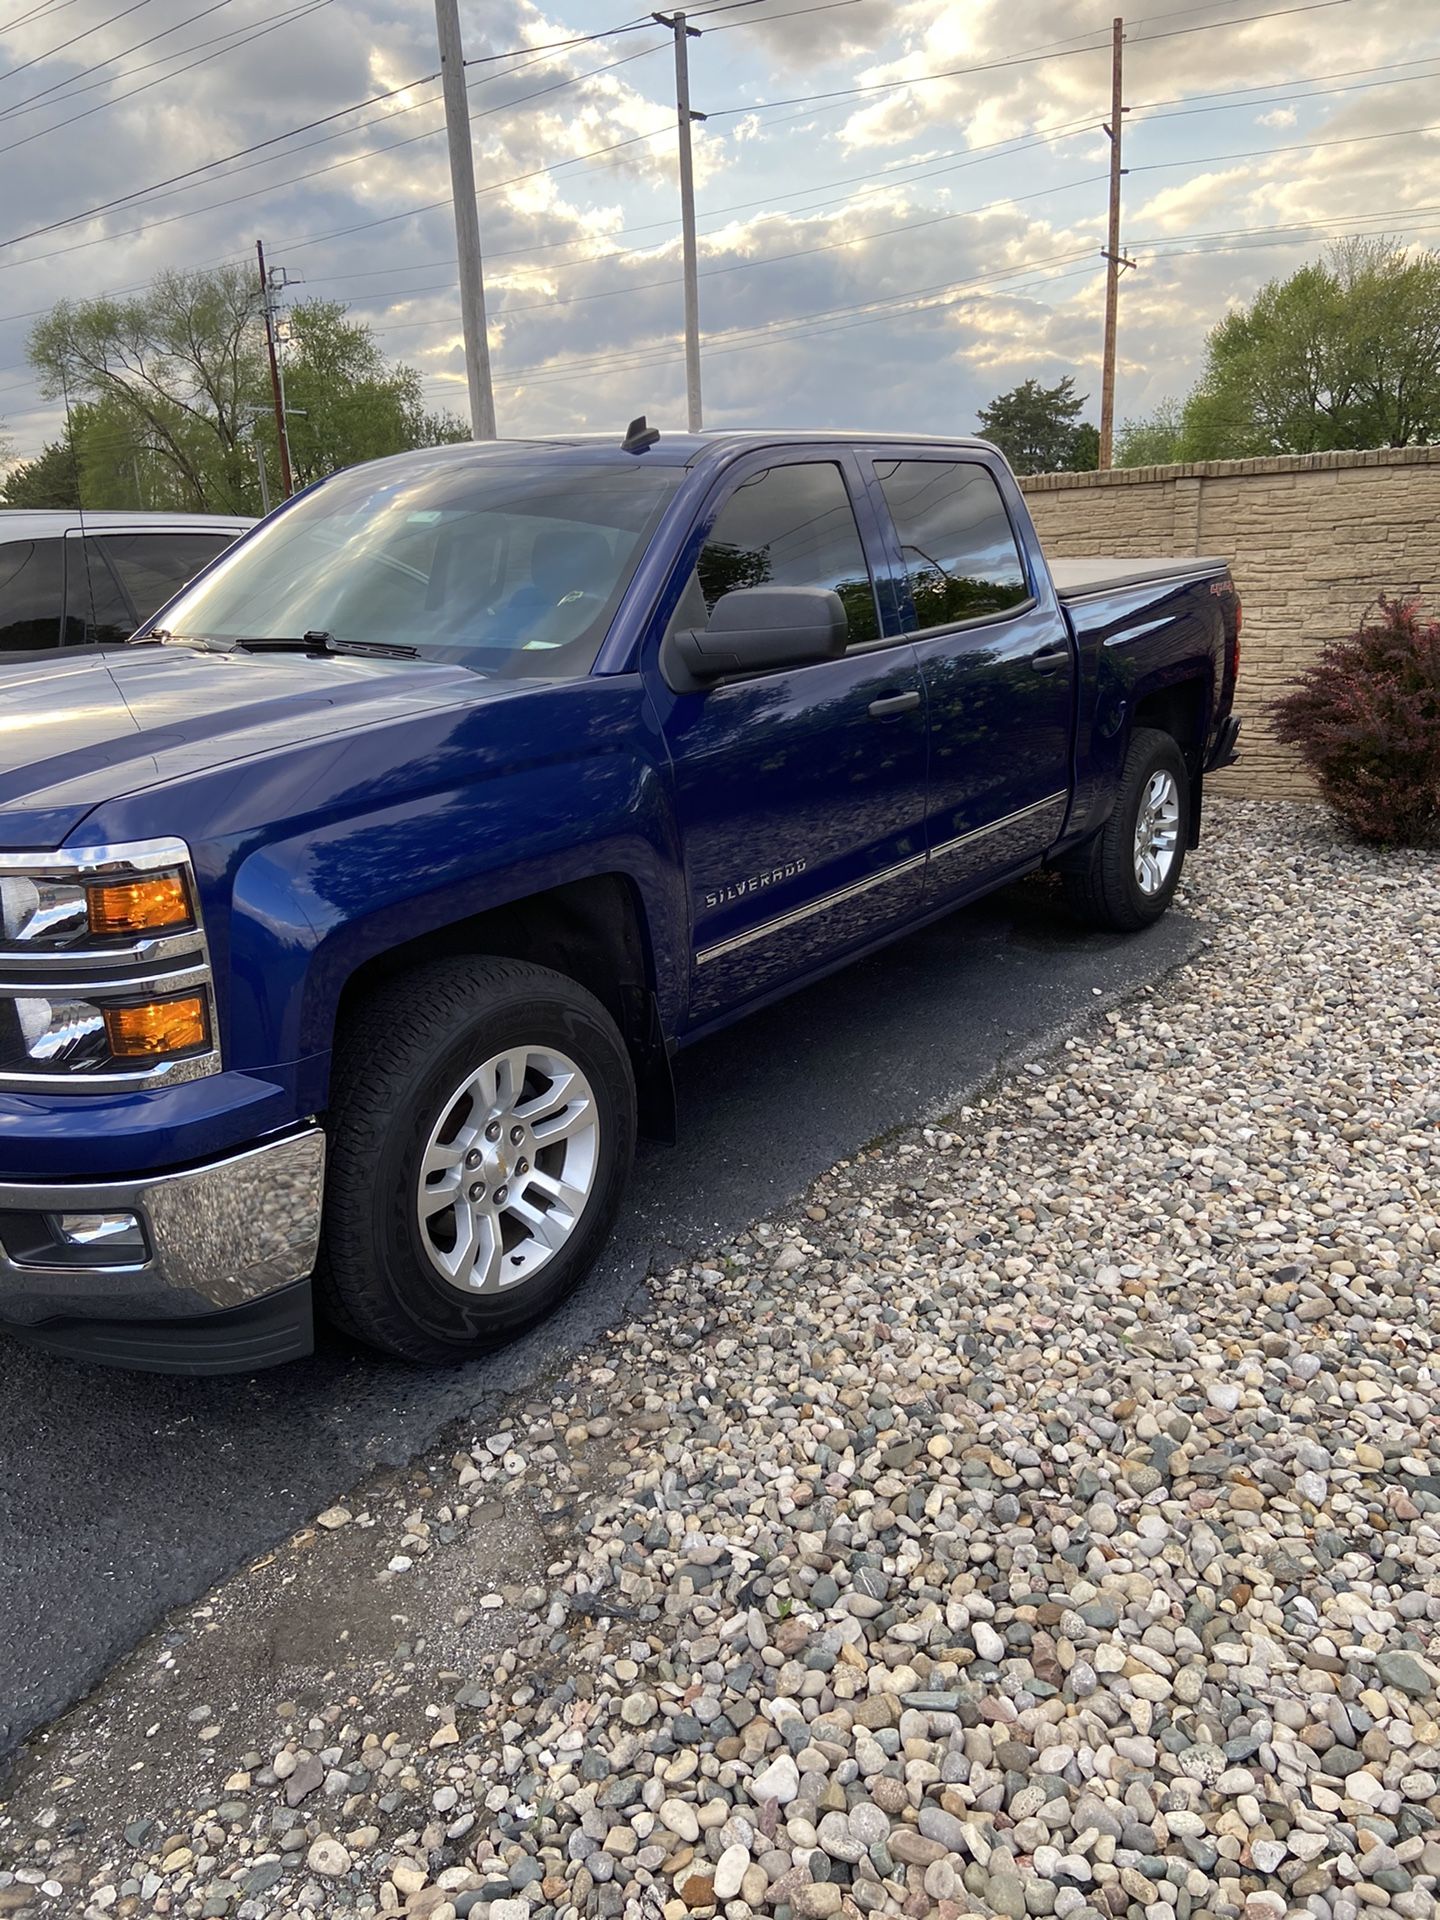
351	916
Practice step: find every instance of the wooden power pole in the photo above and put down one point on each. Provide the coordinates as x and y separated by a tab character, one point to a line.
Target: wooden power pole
282	435
686	114
1115	260
467	221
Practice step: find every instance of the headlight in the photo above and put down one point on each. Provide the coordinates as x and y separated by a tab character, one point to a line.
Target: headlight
60	1033
39	912
104	971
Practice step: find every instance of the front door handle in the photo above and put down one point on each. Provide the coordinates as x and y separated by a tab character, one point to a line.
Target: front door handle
892	703
1049	659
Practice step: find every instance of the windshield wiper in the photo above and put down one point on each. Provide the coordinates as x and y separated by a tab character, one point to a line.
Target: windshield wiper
317	640
162	636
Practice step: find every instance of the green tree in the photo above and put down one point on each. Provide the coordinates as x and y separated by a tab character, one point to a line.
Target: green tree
1084	455
177	365
1039	429
350	404
46	481
1344	353
1155	440
170	394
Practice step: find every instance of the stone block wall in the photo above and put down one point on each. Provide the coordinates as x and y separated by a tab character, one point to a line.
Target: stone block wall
1311	539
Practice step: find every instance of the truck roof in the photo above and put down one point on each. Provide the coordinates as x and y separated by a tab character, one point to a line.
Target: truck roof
677	449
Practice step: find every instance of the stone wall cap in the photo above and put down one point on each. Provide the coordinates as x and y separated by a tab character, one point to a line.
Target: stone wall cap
1228	469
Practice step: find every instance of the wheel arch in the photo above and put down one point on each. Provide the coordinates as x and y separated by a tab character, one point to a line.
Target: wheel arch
593	930
1181	708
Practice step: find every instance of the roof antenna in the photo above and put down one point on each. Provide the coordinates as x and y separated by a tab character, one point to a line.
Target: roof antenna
638	436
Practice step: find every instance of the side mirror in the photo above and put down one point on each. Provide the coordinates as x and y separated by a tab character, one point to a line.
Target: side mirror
757	628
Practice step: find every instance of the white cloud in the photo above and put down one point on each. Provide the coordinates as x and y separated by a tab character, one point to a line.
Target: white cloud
803	254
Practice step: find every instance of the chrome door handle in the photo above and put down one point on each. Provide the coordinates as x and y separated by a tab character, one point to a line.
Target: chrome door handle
891	704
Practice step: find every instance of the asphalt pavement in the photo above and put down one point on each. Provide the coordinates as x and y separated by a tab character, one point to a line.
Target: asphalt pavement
124	1495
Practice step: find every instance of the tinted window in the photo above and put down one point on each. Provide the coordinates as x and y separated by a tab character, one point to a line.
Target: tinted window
789	527
959	549
506	565
96	611
30	594
153	566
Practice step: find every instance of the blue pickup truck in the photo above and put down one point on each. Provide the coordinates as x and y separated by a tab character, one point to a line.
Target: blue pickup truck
351	915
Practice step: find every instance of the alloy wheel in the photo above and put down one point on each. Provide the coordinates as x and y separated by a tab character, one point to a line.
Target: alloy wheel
508	1169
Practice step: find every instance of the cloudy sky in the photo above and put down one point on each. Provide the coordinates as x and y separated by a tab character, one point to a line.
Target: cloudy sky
890	254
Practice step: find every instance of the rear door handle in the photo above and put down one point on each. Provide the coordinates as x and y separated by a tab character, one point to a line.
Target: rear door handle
892	703
1050	658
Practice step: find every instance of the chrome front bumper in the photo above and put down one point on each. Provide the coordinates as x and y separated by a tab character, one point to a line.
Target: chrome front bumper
219	1237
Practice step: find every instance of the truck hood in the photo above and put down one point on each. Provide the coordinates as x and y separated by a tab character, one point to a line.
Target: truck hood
78	729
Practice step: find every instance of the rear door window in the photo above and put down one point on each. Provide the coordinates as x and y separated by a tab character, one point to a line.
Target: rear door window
152	567
959	547
31	593
97	612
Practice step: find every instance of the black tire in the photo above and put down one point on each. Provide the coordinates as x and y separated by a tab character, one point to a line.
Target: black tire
1104	889
400	1056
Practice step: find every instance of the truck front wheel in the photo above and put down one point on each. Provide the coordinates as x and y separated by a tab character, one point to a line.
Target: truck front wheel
1126	877
482	1128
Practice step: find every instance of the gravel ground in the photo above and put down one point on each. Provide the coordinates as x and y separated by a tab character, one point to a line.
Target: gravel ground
1044	1519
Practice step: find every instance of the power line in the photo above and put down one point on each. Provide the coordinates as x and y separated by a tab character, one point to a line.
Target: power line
46	6
172	183
728	112
765	260
1161	246
1299	146
589	367
878	309
556	373
138	193
559	46
645	286
238	38
1392	76
344	133
492	186
730	26
288	133
1018	60
884	179
50	52
1023	59
55	85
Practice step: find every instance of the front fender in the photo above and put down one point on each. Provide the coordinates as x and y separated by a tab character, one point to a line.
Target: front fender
317	902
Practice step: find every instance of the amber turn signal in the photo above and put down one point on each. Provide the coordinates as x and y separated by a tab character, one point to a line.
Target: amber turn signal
158	1028
139	906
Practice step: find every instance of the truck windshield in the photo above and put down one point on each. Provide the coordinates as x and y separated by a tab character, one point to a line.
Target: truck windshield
504	565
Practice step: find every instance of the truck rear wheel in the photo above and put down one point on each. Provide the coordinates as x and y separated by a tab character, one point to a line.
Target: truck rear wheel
1131	869
481	1132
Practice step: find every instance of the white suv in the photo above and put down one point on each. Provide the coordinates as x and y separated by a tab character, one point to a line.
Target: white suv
65	581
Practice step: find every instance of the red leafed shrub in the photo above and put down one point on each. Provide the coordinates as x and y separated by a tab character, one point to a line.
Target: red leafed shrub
1366	721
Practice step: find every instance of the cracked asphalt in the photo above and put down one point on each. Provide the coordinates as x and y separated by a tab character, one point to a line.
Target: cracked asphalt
123	1496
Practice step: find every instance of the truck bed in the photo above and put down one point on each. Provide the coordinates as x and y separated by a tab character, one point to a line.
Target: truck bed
1074	579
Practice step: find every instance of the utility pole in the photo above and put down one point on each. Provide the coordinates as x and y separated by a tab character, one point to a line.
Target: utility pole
683	33
1114	258
467	220
286	481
